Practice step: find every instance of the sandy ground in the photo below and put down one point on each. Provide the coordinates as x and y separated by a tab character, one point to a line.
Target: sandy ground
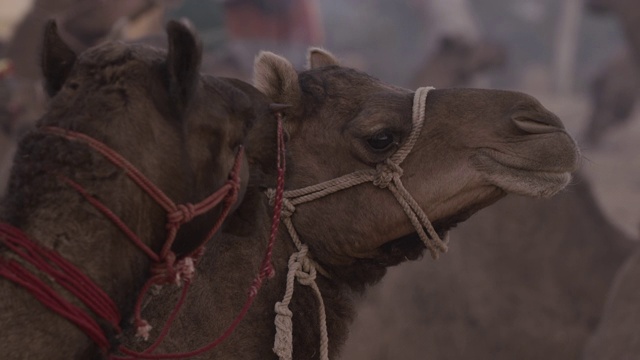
614	167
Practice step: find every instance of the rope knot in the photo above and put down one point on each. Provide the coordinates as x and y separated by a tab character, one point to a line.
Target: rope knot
287	206
184	270
182	214
385	172
170	271
143	329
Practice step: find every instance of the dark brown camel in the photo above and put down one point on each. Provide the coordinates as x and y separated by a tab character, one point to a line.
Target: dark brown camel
524	279
83	23
179	128
475	146
457	60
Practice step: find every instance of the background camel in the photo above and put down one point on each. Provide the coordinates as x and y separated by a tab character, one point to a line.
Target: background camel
616	337
614	92
179	128
340	121
524	279
457	61
616	87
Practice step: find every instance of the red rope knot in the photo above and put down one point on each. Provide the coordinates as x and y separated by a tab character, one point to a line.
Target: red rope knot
182	214
268	272
385	172
175	272
165	269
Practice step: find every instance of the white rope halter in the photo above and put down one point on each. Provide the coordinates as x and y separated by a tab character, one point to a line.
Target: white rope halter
301	267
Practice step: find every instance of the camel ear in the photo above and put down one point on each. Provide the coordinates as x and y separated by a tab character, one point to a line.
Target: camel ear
183	62
57	59
276	77
319	57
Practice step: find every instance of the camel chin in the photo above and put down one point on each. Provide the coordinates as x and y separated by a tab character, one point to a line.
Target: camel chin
541	183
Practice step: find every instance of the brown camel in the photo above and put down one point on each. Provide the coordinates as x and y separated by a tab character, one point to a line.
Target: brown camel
524	279
628	14
475	146
617	335
615	88
181	129
614	92
457	60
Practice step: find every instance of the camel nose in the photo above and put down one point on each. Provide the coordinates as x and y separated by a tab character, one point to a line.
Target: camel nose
540	123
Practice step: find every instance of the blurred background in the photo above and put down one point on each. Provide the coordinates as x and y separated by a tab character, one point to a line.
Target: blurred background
578	57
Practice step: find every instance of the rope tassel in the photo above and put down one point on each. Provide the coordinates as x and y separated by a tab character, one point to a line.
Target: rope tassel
283	344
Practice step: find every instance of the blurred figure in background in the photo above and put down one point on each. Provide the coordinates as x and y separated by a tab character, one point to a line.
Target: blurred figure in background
457	49
286	27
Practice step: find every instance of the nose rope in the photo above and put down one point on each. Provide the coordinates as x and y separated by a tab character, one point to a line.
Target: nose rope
302	267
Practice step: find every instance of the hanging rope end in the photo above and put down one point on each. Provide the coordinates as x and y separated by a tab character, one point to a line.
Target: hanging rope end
283	343
144	330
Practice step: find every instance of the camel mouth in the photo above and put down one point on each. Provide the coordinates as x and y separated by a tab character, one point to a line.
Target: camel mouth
411	247
522	176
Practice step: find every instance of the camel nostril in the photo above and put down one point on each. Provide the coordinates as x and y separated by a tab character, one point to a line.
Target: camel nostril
539	125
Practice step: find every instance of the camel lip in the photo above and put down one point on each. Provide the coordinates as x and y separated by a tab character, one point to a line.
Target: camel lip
528	182
519	163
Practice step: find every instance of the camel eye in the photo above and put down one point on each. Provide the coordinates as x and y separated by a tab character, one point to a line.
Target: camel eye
381	140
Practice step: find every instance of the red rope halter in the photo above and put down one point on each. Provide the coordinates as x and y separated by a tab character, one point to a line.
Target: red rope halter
166	267
266	271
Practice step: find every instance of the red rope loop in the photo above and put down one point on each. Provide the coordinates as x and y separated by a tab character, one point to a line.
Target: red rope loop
182	215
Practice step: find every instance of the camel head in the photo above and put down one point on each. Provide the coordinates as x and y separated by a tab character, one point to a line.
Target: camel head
179	128
475	146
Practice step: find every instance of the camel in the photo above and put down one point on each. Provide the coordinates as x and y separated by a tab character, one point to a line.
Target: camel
628	13
457	60
118	114
617	334
615	88
474	147
524	279
614	92
83	23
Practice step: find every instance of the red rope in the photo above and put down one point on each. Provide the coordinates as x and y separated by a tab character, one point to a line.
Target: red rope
266	271
166	268
66	275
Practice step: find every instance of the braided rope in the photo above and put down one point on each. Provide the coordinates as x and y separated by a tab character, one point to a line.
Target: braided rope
302	268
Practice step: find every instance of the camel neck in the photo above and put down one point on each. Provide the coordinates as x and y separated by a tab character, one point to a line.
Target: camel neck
54	216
